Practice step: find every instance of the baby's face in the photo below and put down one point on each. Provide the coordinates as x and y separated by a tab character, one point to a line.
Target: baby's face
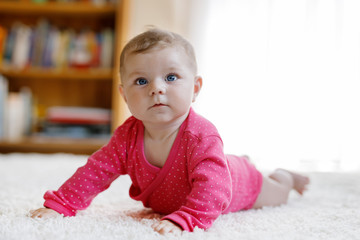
159	85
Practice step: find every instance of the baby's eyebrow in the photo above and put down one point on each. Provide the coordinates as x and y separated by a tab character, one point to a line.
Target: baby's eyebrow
174	66
136	73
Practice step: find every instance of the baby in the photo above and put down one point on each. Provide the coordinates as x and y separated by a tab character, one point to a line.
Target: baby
173	156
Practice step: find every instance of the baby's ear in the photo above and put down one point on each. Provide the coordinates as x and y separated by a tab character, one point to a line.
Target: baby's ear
197	87
121	91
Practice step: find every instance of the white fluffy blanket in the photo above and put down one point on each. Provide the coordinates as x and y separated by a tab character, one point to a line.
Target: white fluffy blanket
329	210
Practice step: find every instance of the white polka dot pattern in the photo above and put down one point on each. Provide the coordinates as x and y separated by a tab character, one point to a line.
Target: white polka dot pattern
196	184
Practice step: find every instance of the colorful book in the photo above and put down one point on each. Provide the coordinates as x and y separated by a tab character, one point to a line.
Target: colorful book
48	47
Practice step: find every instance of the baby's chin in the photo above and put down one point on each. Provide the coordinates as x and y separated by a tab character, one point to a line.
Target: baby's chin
164	119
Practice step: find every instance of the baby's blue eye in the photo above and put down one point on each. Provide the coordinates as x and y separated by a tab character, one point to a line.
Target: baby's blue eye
141	81
171	78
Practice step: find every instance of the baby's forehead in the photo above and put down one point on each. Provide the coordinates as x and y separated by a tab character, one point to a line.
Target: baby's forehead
156	49
189	59
171	50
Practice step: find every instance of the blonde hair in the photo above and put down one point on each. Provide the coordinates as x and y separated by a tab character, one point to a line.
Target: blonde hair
153	38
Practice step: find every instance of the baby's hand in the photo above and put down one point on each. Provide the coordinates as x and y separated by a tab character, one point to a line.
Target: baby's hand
164	226
44	213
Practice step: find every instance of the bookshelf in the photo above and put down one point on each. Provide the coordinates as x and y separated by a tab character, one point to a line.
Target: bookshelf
90	86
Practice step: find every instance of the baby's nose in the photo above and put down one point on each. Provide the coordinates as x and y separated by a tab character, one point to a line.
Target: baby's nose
157	87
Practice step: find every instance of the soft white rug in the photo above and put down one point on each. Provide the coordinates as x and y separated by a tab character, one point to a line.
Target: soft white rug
329	210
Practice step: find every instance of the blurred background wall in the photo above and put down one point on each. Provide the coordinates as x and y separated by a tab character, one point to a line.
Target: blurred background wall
281	78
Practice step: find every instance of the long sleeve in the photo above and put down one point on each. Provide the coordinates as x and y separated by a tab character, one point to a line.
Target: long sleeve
101	169
210	181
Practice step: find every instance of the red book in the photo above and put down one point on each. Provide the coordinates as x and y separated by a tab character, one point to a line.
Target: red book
79	115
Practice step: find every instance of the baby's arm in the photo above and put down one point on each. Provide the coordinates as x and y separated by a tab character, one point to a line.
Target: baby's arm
44	213
101	169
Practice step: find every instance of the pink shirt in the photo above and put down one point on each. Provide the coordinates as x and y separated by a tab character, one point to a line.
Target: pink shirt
196	184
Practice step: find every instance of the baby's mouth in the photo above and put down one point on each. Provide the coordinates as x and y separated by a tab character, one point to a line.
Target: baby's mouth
158	105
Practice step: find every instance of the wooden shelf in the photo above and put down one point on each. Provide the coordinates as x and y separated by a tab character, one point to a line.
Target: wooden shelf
68	8
51	145
65	74
88	87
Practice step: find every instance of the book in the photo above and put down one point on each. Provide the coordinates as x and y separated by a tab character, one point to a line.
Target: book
62	48
15	115
16	112
9	45
22	46
47	46
58	130
77	122
4	88
107	46
3	35
27	101
78	115
41	34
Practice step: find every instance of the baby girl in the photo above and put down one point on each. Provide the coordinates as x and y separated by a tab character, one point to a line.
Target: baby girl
173	156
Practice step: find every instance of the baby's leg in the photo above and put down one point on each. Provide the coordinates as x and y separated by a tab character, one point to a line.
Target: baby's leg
276	188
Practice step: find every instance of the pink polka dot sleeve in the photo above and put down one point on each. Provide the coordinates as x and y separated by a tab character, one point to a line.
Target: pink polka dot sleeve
101	169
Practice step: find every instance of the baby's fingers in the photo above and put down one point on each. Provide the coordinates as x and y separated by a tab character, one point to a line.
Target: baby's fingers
43	213
164	227
34	213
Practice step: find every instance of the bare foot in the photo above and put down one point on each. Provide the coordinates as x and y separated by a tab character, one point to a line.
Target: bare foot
300	181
